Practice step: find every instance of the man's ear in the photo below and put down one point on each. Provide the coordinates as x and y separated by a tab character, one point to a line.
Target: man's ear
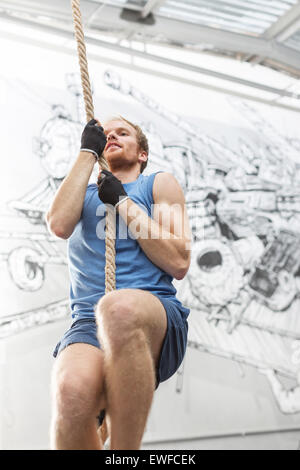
143	157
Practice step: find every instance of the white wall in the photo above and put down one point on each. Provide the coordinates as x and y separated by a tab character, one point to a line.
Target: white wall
246	154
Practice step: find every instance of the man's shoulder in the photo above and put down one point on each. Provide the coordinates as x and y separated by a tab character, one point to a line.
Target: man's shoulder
164	176
165	181
165	186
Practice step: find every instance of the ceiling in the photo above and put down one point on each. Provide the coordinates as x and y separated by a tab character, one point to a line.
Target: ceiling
264	32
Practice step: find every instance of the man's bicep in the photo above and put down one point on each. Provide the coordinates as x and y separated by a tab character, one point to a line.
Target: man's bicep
169	206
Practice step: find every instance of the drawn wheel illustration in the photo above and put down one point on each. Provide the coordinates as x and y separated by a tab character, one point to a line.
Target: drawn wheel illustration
25	268
215	275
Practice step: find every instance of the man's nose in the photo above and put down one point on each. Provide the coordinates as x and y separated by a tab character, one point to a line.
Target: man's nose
111	135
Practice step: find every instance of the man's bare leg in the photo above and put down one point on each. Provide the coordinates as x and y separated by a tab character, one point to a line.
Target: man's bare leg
130	379
78	396
132	325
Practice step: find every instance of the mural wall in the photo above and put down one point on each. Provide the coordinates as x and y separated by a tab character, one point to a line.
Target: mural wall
243	202
241	178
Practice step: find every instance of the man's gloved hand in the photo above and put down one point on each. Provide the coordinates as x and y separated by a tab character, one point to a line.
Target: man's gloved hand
110	189
93	138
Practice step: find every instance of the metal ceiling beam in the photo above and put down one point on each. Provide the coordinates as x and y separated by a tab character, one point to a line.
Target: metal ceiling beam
182	32
150	5
284	24
285	35
112	3
155	73
155	58
179	31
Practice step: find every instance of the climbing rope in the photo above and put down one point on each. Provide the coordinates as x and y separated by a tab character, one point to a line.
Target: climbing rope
110	252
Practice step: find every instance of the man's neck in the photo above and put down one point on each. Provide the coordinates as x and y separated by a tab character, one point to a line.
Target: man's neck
127	176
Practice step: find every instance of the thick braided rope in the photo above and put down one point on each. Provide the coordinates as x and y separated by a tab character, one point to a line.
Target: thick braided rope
110	252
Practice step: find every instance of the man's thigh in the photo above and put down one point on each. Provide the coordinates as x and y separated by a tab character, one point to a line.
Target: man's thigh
79	368
155	317
149	311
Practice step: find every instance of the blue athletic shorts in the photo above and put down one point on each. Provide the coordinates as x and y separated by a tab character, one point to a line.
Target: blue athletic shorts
173	349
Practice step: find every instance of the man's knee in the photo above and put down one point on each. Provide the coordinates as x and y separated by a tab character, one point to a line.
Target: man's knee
120	323
117	315
76	398
120	302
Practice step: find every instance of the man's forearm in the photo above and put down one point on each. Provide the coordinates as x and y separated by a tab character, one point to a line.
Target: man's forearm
163	248
66	208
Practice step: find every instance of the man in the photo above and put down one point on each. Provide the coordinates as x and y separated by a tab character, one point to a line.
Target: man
142	327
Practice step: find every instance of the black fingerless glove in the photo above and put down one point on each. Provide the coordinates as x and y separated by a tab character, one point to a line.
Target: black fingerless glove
110	189
93	139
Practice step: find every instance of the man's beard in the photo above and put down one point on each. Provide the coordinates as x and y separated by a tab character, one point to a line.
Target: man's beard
120	163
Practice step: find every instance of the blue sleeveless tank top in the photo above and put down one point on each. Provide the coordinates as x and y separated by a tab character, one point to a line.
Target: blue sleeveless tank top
86	253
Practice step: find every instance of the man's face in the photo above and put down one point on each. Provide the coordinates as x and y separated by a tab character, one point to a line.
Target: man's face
122	149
